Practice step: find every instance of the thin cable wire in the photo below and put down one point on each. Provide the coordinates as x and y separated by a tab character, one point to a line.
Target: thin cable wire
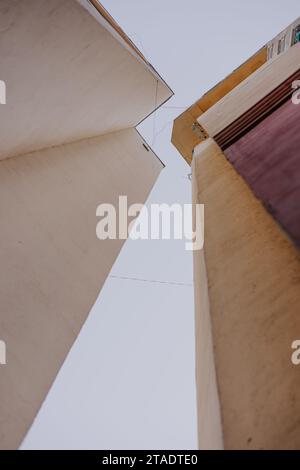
156	134
152	281
174	107
163	128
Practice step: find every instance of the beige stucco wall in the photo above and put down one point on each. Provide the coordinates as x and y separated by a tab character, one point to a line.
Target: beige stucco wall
52	266
208	406
253	273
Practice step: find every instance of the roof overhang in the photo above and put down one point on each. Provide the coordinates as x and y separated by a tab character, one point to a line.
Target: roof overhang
185	136
254	97
242	98
71	73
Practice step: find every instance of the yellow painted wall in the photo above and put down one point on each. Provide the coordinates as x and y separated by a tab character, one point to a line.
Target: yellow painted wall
253	273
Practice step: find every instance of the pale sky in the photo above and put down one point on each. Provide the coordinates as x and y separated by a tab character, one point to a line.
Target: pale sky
129	381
